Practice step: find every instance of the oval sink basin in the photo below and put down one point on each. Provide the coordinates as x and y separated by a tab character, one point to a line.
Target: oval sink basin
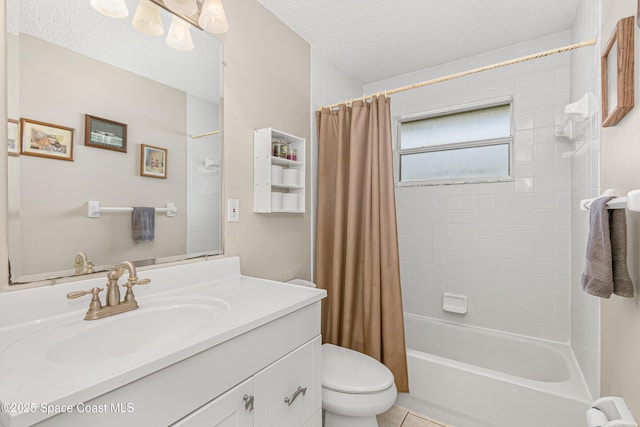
154	324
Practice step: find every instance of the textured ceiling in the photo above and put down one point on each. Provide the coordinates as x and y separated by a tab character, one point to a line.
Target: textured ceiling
376	39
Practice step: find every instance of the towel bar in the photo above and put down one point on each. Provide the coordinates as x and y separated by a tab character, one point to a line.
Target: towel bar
94	209
631	202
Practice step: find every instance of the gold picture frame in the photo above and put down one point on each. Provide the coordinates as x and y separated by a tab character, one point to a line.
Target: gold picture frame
153	161
42	139
617	63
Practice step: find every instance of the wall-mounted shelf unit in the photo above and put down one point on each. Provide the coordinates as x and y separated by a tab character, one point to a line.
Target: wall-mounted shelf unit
278	183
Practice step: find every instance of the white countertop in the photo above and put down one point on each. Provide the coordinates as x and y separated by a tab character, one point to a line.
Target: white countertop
29	377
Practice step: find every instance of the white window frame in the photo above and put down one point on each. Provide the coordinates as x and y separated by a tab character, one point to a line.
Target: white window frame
446	147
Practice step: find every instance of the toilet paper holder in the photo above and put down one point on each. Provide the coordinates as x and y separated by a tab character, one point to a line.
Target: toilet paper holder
615	410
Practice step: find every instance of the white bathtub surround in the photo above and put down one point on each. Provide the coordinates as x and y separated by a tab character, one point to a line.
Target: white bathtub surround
506	245
39	327
585	171
475	377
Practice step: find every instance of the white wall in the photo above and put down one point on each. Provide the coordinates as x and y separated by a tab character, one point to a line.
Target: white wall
585	312
267	83
620	169
504	245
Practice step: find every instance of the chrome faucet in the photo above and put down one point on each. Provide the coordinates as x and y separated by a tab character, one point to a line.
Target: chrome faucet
113	304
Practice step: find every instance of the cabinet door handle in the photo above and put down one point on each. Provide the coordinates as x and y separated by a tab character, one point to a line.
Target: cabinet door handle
248	402
289	400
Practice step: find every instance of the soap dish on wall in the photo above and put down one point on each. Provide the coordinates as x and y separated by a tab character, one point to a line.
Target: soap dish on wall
454	303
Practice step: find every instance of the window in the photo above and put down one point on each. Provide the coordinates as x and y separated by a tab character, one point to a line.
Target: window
463	145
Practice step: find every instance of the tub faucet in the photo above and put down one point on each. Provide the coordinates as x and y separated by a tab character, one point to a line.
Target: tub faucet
113	305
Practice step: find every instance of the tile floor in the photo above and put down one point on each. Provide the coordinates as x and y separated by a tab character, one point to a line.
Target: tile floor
401	417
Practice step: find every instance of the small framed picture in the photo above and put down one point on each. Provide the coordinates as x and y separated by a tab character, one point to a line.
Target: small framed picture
103	133
13	137
46	140
153	161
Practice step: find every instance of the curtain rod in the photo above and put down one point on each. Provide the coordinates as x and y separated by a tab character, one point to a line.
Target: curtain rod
563	49
202	135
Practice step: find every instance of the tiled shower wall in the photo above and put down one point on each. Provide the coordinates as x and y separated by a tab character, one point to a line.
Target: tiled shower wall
585	312
504	245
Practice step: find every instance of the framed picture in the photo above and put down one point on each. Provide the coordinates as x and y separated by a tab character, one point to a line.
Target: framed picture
103	133
617	73
46	140
153	161
13	137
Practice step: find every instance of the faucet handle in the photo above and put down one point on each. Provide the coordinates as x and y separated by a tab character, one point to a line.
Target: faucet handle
131	282
78	294
95	304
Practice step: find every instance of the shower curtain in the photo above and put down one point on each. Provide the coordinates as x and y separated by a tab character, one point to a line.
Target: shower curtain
357	259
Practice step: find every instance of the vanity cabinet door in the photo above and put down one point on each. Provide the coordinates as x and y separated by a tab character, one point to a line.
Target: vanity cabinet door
289	391
233	409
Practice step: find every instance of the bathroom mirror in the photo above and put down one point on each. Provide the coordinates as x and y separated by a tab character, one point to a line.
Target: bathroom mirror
65	62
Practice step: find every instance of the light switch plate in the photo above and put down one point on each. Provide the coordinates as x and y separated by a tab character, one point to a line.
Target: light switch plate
233	210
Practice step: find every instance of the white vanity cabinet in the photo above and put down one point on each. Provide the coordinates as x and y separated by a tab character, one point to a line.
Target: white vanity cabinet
289	392
286	393
278	183
236	336
232	409
208	388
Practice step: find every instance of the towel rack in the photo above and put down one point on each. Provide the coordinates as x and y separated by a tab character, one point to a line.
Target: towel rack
94	209
631	202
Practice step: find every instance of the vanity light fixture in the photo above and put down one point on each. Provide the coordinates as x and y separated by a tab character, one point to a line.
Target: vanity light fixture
179	36
147	19
212	17
182	7
207	15
111	8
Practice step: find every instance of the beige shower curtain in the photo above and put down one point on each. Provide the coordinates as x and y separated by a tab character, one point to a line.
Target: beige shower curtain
357	258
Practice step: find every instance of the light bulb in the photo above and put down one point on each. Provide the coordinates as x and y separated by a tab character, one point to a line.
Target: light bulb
212	17
147	19
111	8
179	36
183	7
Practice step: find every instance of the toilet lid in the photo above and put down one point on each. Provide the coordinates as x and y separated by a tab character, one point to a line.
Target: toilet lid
349	371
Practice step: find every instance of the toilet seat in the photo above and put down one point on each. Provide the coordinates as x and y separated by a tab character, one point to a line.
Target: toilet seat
359	405
352	372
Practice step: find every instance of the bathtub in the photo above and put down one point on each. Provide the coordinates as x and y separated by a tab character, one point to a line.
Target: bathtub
474	377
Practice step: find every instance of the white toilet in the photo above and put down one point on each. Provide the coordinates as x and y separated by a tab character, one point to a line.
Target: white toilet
355	387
